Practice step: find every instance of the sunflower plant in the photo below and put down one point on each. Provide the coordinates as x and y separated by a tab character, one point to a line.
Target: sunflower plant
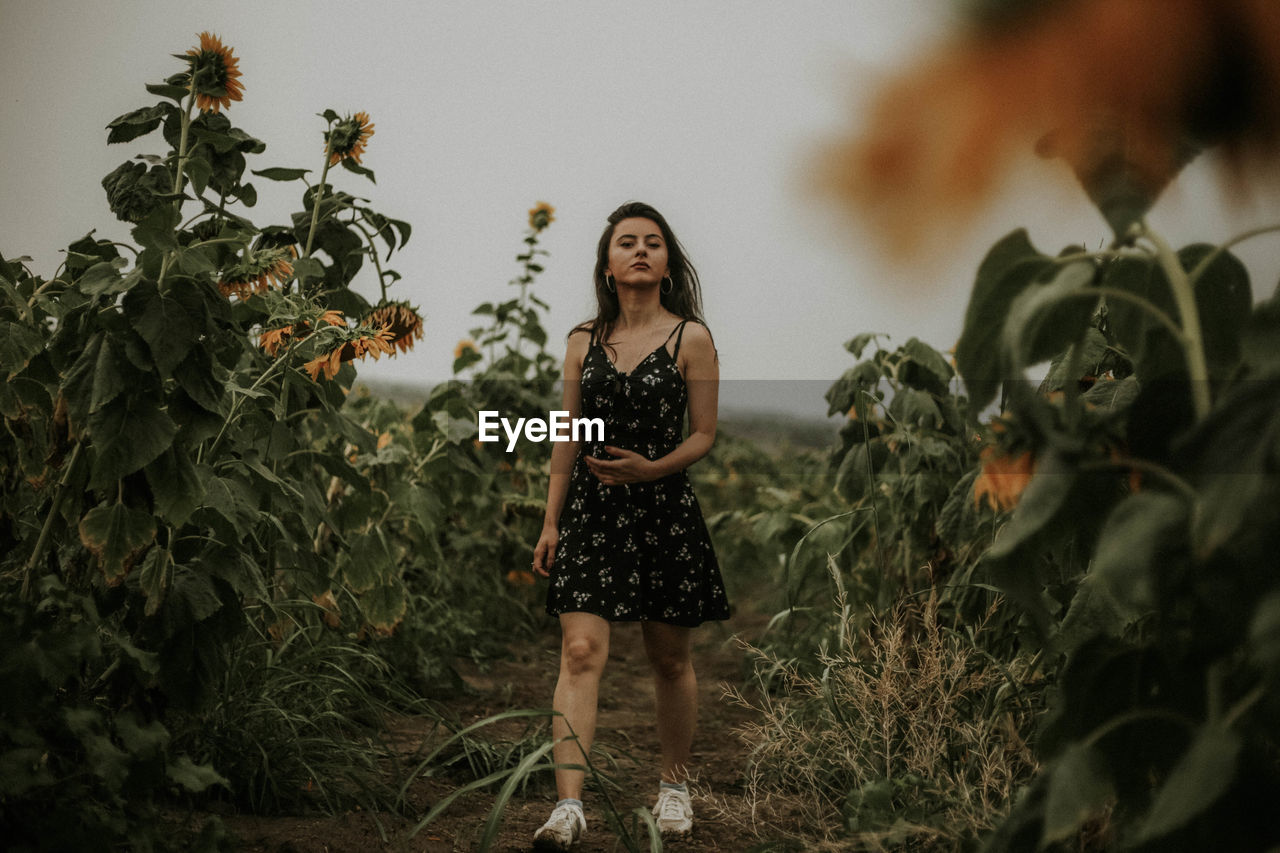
180	465
1139	553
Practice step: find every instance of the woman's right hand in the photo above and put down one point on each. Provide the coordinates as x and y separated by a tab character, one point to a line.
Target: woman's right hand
544	553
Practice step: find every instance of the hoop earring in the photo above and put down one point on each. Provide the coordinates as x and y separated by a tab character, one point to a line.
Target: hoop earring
669	282
608	283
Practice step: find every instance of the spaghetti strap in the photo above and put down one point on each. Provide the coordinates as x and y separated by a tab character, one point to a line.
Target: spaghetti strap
679	329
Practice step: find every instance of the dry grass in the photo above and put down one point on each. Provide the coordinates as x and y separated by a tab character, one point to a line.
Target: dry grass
912	738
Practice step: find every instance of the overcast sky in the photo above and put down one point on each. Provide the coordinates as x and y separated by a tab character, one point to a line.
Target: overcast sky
710	111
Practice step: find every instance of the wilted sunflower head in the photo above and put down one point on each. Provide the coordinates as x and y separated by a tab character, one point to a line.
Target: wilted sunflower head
215	74
257	271
541	216
347	138
401	320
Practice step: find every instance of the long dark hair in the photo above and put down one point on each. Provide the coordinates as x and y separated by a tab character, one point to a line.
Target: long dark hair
685	298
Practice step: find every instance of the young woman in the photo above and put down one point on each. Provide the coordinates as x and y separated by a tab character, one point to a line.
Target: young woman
624	539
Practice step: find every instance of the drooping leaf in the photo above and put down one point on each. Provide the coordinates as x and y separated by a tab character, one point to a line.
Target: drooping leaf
368	562
116	535
155	576
140	122
175	485
134	191
1131	550
1011	266
103	278
385	606
96	377
19	343
1201	776
352	166
931	361
157	229
1045	319
1078	789
128	433
163	322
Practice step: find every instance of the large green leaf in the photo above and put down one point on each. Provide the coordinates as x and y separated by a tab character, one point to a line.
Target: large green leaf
232	498
1203	774
1142	533
127	434
19	343
116	535
163	322
140	122
96	378
368	562
155	576
1078	789
104	278
175	486
202	380
384	606
1011	266
1044	319
1224	300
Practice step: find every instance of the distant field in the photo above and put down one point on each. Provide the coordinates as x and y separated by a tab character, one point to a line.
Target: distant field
771	429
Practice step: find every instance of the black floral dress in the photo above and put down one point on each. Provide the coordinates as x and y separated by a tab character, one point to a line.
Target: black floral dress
638	551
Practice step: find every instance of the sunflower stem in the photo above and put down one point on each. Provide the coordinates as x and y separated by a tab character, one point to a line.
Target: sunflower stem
373	253
48	520
315	202
183	139
1184	297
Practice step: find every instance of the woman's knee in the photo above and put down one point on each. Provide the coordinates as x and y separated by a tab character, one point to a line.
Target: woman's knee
671	667
581	655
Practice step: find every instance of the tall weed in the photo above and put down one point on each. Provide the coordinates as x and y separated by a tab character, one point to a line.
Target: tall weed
910	734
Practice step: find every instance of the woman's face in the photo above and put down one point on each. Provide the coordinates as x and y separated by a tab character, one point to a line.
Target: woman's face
637	253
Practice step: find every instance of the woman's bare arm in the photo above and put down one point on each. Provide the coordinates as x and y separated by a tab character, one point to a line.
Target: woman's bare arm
702	377
563	454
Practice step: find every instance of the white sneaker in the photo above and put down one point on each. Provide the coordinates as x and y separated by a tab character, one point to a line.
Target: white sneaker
563	829
674	812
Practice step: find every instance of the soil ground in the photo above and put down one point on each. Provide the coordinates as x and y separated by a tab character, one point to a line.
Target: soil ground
625	732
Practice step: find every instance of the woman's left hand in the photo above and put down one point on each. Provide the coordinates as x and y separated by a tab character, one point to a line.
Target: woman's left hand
627	467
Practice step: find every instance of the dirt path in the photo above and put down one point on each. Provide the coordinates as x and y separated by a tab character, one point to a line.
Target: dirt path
625	730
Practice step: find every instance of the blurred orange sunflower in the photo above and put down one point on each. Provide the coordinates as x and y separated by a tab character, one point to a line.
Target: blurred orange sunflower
257	271
347	138
464	345
1003	478
401	319
215	74
541	216
1125	91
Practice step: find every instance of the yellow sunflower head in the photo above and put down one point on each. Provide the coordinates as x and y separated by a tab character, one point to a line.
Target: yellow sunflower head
464	345
399	318
347	138
541	215
215	74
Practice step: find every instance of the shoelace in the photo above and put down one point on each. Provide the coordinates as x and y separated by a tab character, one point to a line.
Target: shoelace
671	807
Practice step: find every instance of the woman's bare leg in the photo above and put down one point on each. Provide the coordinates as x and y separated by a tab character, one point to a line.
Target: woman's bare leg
584	648
669	651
